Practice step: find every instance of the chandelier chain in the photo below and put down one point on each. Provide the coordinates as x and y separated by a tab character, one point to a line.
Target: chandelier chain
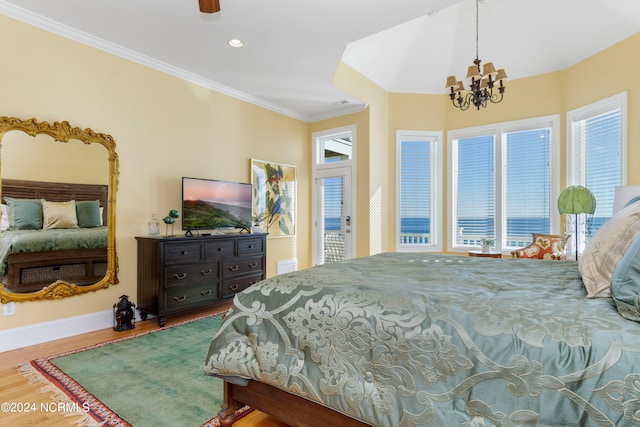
477	27
485	86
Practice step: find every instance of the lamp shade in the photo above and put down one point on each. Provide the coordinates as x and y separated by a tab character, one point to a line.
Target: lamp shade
473	72
502	76
489	70
452	83
576	200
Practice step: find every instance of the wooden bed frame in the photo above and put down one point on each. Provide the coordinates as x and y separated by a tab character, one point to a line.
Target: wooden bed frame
29	272
286	407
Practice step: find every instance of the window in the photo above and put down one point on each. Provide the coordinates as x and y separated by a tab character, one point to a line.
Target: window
596	156
418	208
335	147
503	183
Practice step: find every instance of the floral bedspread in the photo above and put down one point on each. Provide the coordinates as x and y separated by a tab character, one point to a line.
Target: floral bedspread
400	339
16	241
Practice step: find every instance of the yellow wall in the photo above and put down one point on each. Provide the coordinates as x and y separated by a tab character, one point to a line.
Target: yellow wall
164	128
609	72
605	74
72	161
372	161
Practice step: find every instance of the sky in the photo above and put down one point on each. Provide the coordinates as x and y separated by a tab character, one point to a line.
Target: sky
212	190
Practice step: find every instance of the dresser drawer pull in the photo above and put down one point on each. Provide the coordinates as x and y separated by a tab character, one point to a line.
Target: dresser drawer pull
234	287
180	299
233	268
253	265
220	249
205	293
180	276
250	246
185	252
206	273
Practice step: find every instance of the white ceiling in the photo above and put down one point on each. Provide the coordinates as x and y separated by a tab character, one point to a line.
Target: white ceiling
292	47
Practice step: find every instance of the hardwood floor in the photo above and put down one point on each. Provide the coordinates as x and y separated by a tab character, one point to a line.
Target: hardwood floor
14	388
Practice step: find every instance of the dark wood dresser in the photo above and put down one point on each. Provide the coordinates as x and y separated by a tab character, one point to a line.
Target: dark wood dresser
177	274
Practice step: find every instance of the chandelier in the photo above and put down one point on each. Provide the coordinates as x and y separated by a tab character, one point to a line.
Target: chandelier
484	87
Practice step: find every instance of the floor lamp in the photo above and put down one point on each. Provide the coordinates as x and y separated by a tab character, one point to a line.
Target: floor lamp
576	200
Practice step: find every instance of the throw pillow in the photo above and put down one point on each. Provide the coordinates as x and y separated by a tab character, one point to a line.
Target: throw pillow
4	224
544	246
24	214
59	214
88	213
605	250
625	282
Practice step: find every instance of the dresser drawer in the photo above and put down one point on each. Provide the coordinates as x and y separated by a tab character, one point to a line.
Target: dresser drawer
182	298
238	266
250	247
178	274
219	248
182	253
188	274
233	286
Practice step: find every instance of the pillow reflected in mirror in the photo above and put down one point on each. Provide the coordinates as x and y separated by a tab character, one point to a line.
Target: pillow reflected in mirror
24	214
59	214
89	214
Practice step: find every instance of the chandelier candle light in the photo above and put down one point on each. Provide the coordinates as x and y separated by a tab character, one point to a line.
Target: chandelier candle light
481	85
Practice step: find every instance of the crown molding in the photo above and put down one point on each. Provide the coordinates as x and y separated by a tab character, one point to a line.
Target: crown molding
65	31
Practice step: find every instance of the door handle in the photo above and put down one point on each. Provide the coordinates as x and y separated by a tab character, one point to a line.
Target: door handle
348	220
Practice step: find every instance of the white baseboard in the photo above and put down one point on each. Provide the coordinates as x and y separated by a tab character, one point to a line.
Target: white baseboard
24	336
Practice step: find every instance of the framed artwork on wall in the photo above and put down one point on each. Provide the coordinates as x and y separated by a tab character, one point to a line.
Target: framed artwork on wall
274	197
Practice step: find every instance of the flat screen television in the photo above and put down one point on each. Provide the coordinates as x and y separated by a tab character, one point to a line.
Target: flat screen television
212	204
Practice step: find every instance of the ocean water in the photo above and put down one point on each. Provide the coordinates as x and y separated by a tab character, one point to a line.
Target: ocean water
479	226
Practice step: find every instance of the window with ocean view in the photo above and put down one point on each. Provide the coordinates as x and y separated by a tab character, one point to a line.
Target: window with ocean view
502	183
418	189
596	157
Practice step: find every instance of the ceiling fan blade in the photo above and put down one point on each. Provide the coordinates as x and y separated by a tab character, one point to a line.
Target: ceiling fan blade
209	6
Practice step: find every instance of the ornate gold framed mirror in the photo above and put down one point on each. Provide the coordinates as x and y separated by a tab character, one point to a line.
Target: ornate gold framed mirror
58	230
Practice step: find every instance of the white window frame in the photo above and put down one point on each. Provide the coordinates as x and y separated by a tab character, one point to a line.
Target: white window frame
435	138
499	131
576	168
318	166
576	174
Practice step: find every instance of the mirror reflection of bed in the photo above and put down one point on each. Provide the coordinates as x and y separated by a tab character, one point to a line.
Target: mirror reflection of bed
69	174
59	249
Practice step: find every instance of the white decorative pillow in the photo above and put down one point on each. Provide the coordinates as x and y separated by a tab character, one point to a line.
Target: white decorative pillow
4	224
605	250
59	214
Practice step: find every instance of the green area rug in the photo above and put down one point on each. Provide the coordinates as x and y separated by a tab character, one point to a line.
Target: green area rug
152	379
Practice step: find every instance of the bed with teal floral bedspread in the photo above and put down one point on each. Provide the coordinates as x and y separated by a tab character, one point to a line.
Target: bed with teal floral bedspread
400	339
20	241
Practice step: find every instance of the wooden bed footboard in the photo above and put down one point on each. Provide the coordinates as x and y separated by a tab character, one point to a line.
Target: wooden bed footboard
286	407
31	271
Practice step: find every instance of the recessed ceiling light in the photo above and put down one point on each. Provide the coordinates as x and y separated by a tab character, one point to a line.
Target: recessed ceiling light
235	43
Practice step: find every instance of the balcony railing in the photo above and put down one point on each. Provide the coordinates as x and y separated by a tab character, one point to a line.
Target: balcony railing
420	239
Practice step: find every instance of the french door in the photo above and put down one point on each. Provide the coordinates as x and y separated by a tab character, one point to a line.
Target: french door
333	237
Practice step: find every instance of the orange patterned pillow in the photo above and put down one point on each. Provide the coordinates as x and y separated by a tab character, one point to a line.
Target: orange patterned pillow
544	246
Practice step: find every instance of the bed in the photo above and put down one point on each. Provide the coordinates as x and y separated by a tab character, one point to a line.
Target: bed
409	339
35	255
